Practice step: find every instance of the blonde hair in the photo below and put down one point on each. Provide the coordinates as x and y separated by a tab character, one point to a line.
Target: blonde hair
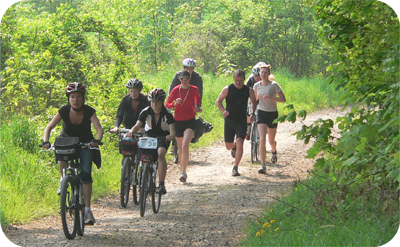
271	77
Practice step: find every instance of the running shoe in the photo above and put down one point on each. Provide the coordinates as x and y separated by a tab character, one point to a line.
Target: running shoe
262	169
183	177
235	171
89	219
163	191
233	151
274	158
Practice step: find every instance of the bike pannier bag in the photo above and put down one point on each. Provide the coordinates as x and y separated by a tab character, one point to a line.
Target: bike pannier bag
67	148
127	145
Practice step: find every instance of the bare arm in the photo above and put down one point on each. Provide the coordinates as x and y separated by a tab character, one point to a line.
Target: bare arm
134	129
221	98
253	100
171	135
53	123
281	97
97	126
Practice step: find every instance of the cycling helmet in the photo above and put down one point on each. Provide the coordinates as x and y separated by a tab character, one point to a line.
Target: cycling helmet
188	62
134	83
256	68
157	94
75	87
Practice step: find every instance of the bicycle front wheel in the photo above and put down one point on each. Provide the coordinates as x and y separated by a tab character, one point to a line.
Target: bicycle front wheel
135	180
81	209
125	181
155	192
69	208
144	188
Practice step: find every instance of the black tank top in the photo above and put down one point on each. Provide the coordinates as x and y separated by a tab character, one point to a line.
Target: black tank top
236	102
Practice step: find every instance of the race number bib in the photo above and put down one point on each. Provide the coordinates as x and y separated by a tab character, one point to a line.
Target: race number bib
148	143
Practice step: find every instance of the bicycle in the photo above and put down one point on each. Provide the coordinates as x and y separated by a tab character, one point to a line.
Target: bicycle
148	175
72	201
130	165
254	140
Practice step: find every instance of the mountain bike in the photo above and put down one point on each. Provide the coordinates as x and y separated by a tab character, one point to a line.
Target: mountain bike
148	175
130	167
254	140
72	201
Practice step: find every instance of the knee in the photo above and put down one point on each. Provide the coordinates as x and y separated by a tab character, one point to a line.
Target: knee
263	140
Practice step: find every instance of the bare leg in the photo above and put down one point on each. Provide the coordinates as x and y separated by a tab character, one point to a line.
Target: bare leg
63	165
187	137
162	164
239	151
87	193
262	130
271	138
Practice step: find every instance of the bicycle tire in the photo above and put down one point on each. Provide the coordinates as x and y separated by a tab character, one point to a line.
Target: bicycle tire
155	192
135	176
144	188
81	225
125	181
254	143
176	157
69	209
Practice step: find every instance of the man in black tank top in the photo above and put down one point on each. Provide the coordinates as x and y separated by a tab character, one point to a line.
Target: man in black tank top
235	114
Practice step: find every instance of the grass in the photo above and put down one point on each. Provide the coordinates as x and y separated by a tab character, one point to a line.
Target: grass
29	178
317	214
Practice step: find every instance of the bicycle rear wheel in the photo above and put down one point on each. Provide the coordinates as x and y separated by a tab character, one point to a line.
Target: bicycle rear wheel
254	139
155	192
81	209
69	209
144	188
125	181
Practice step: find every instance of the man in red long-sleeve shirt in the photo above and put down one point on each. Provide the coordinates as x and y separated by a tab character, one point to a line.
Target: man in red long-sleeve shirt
185	99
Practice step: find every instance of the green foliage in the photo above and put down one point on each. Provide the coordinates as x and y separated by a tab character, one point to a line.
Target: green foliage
333	215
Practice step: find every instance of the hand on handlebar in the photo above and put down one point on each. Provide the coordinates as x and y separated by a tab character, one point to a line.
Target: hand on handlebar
114	130
169	138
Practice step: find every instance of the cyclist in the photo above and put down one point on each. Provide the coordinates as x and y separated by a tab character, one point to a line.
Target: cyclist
266	92
236	95
251	80
157	121
131	105
195	78
185	99
77	119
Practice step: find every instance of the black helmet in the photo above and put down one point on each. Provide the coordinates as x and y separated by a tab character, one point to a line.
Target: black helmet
134	83
157	94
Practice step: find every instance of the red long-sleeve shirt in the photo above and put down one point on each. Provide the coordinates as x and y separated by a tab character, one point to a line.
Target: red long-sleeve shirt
184	111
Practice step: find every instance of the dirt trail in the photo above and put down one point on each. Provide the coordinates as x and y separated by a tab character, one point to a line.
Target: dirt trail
211	209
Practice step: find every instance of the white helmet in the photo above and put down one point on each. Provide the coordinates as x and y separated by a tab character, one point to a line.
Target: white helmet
189	62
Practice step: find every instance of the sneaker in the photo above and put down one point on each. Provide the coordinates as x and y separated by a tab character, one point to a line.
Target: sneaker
163	191
274	158
235	171
183	177
233	151
262	169
59	187
89	219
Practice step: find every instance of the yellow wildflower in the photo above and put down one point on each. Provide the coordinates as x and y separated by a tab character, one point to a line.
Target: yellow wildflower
271	210
277	229
268	226
265	224
262	231
258	234
272	221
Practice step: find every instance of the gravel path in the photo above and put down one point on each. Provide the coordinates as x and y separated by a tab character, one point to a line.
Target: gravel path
211	209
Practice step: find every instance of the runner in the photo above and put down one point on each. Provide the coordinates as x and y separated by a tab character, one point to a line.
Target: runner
236	95
185	99
266	92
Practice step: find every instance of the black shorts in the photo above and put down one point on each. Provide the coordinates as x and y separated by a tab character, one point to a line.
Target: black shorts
181	126
266	117
154	152
234	127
